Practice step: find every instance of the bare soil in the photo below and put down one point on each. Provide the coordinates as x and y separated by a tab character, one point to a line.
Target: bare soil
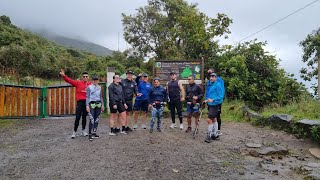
43	149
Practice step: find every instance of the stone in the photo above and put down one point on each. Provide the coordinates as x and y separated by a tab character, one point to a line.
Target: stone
253	145
274	150
280	120
315	152
250	113
313	165
254	153
308	122
314	176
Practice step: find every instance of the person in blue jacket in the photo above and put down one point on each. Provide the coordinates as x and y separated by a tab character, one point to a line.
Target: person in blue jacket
158	97
142	102
214	98
219	79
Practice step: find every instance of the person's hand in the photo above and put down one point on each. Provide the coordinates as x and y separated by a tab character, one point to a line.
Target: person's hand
88	109
140	74
125	106
195	97
182	99
114	106
188	102
102	108
164	103
139	94
62	72
210	100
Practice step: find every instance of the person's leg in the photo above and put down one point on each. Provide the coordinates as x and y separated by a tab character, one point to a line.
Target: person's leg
179	110
153	118
136	108
160	112
84	115
214	111
97	119
219	117
78	116
128	115
91	122
189	111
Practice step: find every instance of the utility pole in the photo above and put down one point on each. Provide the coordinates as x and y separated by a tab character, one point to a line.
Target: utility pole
318	55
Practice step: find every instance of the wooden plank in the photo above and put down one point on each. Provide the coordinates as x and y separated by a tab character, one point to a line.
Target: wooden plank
57	100
35	96
73	101
14	102
19	100
29	106
52	101
24	101
48	101
8	101
67	105
62	100
2	95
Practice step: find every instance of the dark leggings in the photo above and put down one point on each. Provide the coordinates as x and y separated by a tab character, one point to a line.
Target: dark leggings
219	117
80	111
173	105
94	117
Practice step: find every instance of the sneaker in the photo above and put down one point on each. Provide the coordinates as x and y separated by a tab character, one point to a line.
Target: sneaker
208	140
84	133
173	126
135	127
181	126
215	137
129	129
117	131
151	130
73	135
143	126
90	138
112	133
96	136
219	133
159	130
188	130
123	132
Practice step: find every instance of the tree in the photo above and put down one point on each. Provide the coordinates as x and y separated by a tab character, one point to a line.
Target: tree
174	29
311	56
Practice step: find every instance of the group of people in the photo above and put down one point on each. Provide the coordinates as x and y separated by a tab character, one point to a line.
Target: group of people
147	96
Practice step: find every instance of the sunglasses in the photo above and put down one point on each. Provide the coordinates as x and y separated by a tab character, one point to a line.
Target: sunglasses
85	76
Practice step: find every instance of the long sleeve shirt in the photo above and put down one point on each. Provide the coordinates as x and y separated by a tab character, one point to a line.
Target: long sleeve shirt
215	92
94	93
115	93
129	88
158	94
80	85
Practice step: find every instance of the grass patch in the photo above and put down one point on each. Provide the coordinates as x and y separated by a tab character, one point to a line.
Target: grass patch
232	111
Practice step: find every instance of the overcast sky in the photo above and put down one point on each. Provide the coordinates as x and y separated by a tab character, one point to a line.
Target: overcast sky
99	21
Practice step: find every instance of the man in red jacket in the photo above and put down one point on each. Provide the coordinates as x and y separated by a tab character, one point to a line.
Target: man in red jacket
81	86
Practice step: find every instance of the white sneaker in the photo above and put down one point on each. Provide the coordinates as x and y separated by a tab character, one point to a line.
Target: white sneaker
123	132
143	126
219	133
73	135
112	134
84	133
135	126
181	126
173	126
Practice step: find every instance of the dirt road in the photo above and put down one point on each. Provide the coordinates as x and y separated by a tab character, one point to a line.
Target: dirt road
43	149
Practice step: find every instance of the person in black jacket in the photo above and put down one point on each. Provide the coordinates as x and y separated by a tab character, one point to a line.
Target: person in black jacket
129	87
117	104
158	97
194	95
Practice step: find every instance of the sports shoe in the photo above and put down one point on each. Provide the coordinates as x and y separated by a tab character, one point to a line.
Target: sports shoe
181	126
208	139
117	130
84	133
143	126
129	129
173	126
96	136
188	130
159	130
123	132
151	130
215	137
135	127
73	135
112	133
219	133
90	138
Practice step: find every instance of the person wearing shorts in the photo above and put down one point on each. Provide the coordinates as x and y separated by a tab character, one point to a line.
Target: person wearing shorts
214	97
142	102
117	104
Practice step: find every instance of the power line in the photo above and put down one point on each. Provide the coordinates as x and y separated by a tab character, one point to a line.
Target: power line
278	20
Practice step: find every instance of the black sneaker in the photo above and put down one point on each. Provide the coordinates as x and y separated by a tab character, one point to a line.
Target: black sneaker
151	130
189	130
215	137
90	138
159	130
96	136
208	140
129	129
117	131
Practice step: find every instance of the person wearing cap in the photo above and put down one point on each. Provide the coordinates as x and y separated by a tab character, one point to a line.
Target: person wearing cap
194	95
208	84
158	97
81	86
117	104
214	97
94	106
142	102
176	96
129	87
